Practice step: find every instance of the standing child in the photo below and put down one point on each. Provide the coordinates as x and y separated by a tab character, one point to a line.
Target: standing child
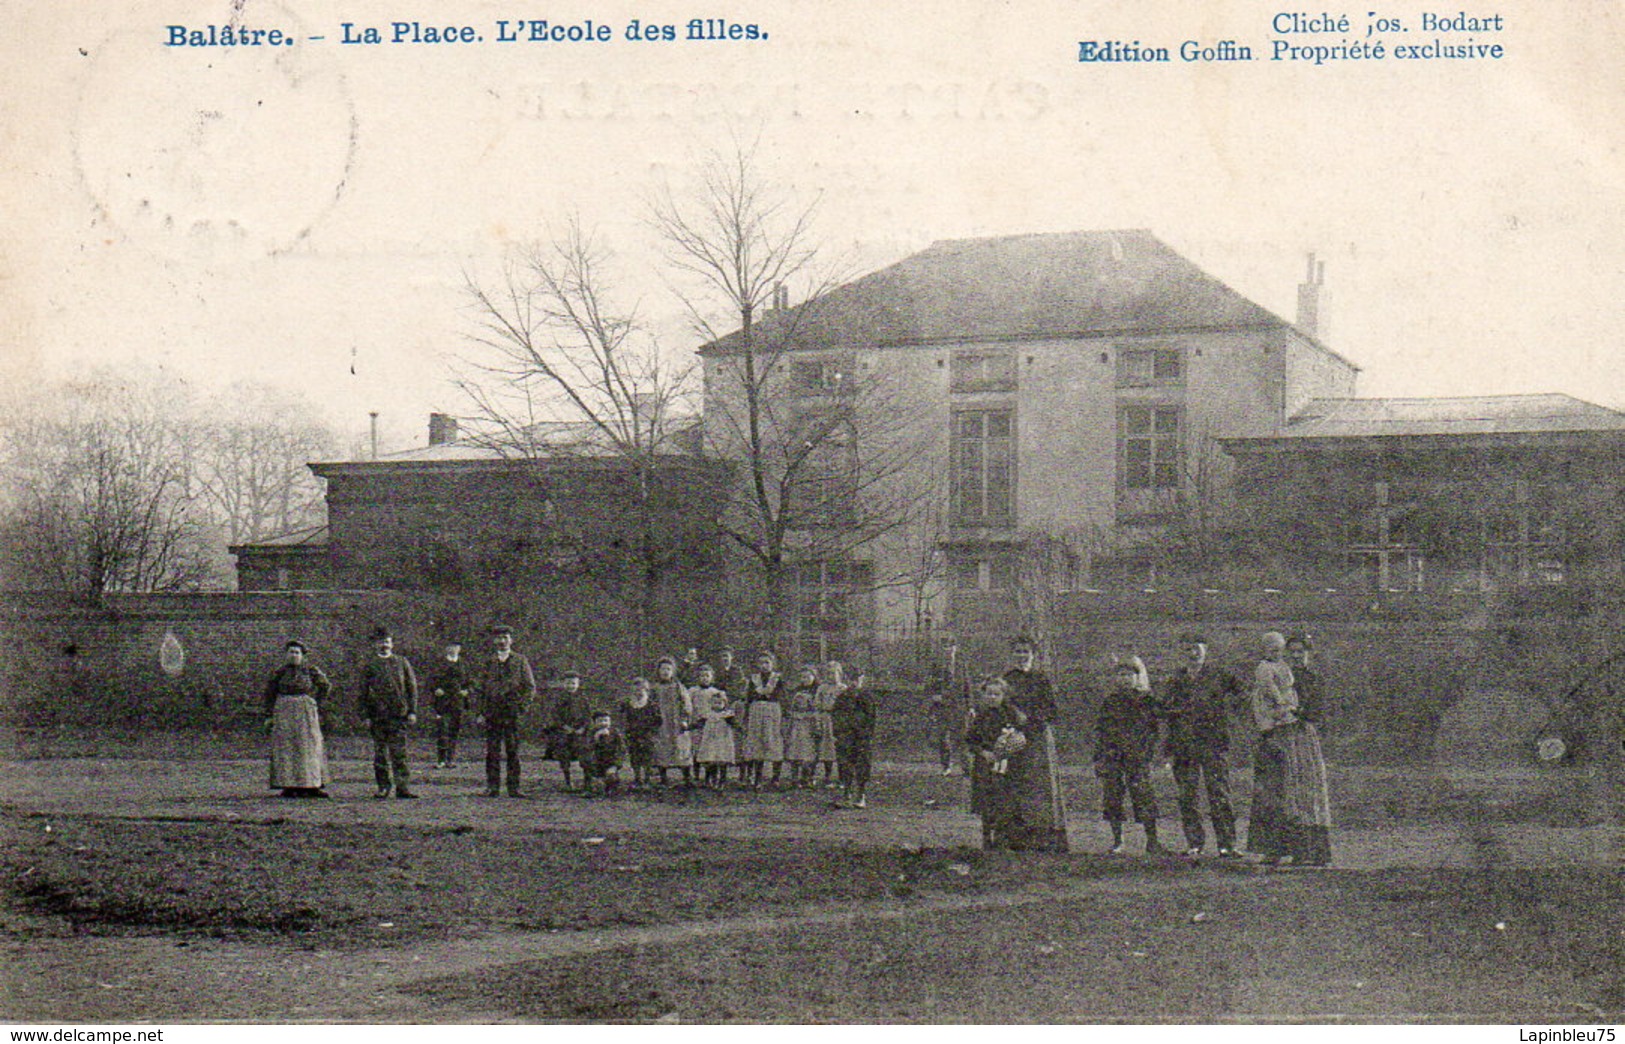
716	750
642	718
801	733
567	725
688	670
764	720
997	742
853	717
604	752
1125	741
449	701
673	747
824	725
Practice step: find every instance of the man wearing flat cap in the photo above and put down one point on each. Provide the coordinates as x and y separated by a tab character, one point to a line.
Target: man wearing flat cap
506	689
389	705
1194	706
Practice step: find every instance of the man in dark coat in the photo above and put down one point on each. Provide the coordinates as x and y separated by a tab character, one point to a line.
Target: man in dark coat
449	699
506	689
1194	706
389	706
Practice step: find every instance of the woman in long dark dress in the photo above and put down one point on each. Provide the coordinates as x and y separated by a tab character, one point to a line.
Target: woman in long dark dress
1043	808
1291	814
293	717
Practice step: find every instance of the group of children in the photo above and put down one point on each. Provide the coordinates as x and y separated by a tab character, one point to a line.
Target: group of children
701	721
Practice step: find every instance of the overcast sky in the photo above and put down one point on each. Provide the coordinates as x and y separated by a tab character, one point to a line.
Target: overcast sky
275	213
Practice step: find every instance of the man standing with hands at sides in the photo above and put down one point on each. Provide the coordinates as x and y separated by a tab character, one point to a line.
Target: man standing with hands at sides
505	691
389	705
1194	706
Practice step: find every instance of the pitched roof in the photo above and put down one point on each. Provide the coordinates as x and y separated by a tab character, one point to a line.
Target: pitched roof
1027	286
1464	415
312	536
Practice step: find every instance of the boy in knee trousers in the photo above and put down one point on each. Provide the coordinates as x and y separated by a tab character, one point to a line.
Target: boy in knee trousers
1125	740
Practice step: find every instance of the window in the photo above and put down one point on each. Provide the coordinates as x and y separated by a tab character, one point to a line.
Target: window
1140	366
823	489
984	569
1381	548
982	447
828	600
982	371
1390	569
1523	543
1148	438
821	375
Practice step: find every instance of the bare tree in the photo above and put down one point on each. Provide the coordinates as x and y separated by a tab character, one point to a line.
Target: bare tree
562	368
248	463
821	440
100	498
1049	566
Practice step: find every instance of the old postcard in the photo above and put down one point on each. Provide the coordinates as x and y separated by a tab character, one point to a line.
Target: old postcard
1038	512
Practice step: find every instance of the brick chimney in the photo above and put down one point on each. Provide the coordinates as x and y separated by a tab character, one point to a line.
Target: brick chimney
442	429
1309	303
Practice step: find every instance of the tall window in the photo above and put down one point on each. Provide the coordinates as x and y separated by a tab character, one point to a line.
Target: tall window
1138	366
982	446
982	371
829	603
1523	541
1148	438
823	491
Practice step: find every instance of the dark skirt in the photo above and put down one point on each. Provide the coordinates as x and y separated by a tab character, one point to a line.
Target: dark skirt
1022	809
640	749
995	798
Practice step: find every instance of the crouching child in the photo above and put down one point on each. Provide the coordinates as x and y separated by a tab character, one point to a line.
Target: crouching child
604	756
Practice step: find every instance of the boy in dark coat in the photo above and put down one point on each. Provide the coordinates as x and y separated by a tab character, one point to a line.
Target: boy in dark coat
853	715
1125	740
389	705
568	718
449	699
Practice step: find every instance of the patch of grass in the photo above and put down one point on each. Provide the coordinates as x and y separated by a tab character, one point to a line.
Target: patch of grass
375	884
1413	946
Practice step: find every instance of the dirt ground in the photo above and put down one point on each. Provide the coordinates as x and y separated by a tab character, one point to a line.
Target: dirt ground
168	884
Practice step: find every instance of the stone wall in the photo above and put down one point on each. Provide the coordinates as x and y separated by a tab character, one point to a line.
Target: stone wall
1402	684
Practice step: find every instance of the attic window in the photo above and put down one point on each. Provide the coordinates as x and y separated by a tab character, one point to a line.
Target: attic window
982	371
821	375
1136	366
